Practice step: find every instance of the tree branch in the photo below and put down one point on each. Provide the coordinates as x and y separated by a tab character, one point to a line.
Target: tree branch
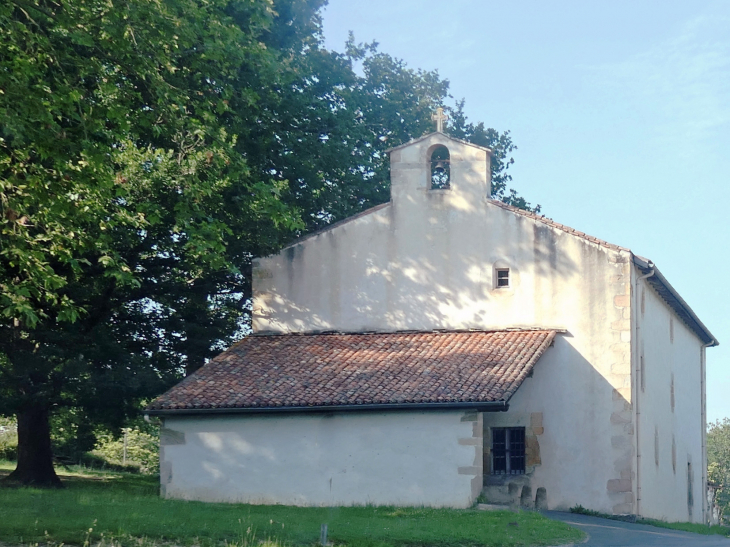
22	6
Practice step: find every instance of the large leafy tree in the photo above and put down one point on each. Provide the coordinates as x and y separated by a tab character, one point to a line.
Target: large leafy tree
122	194
148	151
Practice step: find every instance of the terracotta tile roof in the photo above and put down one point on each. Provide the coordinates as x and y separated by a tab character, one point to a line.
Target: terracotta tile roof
319	370
558	226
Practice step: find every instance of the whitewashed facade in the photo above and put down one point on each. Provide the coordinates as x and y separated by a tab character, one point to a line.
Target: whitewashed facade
613	414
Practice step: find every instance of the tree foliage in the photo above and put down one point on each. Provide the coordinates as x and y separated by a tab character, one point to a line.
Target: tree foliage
718	461
340	119
135	448
149	150
123	193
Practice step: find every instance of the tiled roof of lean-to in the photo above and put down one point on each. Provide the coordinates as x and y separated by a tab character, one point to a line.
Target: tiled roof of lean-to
319	371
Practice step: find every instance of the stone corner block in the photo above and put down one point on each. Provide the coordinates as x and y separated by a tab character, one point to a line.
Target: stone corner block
623	509
470	441
470	470
618	258
622	393
620	441
618	485
621	418
171	436
470	416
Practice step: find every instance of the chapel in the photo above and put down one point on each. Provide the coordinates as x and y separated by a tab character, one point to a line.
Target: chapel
444	347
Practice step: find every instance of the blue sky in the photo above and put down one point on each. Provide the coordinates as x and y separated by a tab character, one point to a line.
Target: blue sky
620	111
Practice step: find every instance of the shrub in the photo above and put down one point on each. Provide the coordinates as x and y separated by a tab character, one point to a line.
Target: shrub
74	443
8	439
142	449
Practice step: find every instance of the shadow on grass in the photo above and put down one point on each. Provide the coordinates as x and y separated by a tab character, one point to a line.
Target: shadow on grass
76	477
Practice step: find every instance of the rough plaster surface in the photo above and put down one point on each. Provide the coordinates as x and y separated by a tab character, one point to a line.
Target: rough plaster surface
672	357
398	458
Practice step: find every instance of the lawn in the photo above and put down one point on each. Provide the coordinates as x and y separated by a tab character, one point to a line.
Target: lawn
126	508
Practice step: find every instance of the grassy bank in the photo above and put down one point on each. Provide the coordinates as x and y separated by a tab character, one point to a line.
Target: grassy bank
688	527
126	507
683	526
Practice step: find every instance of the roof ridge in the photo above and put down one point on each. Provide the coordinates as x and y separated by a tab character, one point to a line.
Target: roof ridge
334	225
405	331
550	222
669	294
415	140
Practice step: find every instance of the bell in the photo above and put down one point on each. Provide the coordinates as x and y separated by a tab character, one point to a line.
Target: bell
440	166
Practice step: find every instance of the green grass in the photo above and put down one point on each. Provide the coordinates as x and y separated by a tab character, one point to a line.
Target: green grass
683	526
125	508
688	527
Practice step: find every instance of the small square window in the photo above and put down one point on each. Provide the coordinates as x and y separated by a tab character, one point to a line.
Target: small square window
508	451
502	278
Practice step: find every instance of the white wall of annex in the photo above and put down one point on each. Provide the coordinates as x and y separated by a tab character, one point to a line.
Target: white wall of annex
382	458
664	486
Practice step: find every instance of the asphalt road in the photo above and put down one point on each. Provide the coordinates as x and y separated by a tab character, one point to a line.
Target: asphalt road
614	533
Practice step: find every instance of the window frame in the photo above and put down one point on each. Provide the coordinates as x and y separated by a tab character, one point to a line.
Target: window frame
498	279
514	452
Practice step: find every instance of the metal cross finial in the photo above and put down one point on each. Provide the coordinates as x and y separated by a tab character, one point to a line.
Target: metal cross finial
439	117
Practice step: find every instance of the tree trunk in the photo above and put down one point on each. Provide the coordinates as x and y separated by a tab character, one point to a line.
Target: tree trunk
35	458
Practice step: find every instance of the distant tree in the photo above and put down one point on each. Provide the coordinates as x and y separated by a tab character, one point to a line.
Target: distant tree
148	151
718	461
502	146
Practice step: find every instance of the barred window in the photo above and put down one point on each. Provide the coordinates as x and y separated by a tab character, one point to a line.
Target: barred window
508	450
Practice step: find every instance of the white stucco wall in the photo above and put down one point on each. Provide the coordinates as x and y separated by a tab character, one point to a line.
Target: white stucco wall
668	358
399	458
427	261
